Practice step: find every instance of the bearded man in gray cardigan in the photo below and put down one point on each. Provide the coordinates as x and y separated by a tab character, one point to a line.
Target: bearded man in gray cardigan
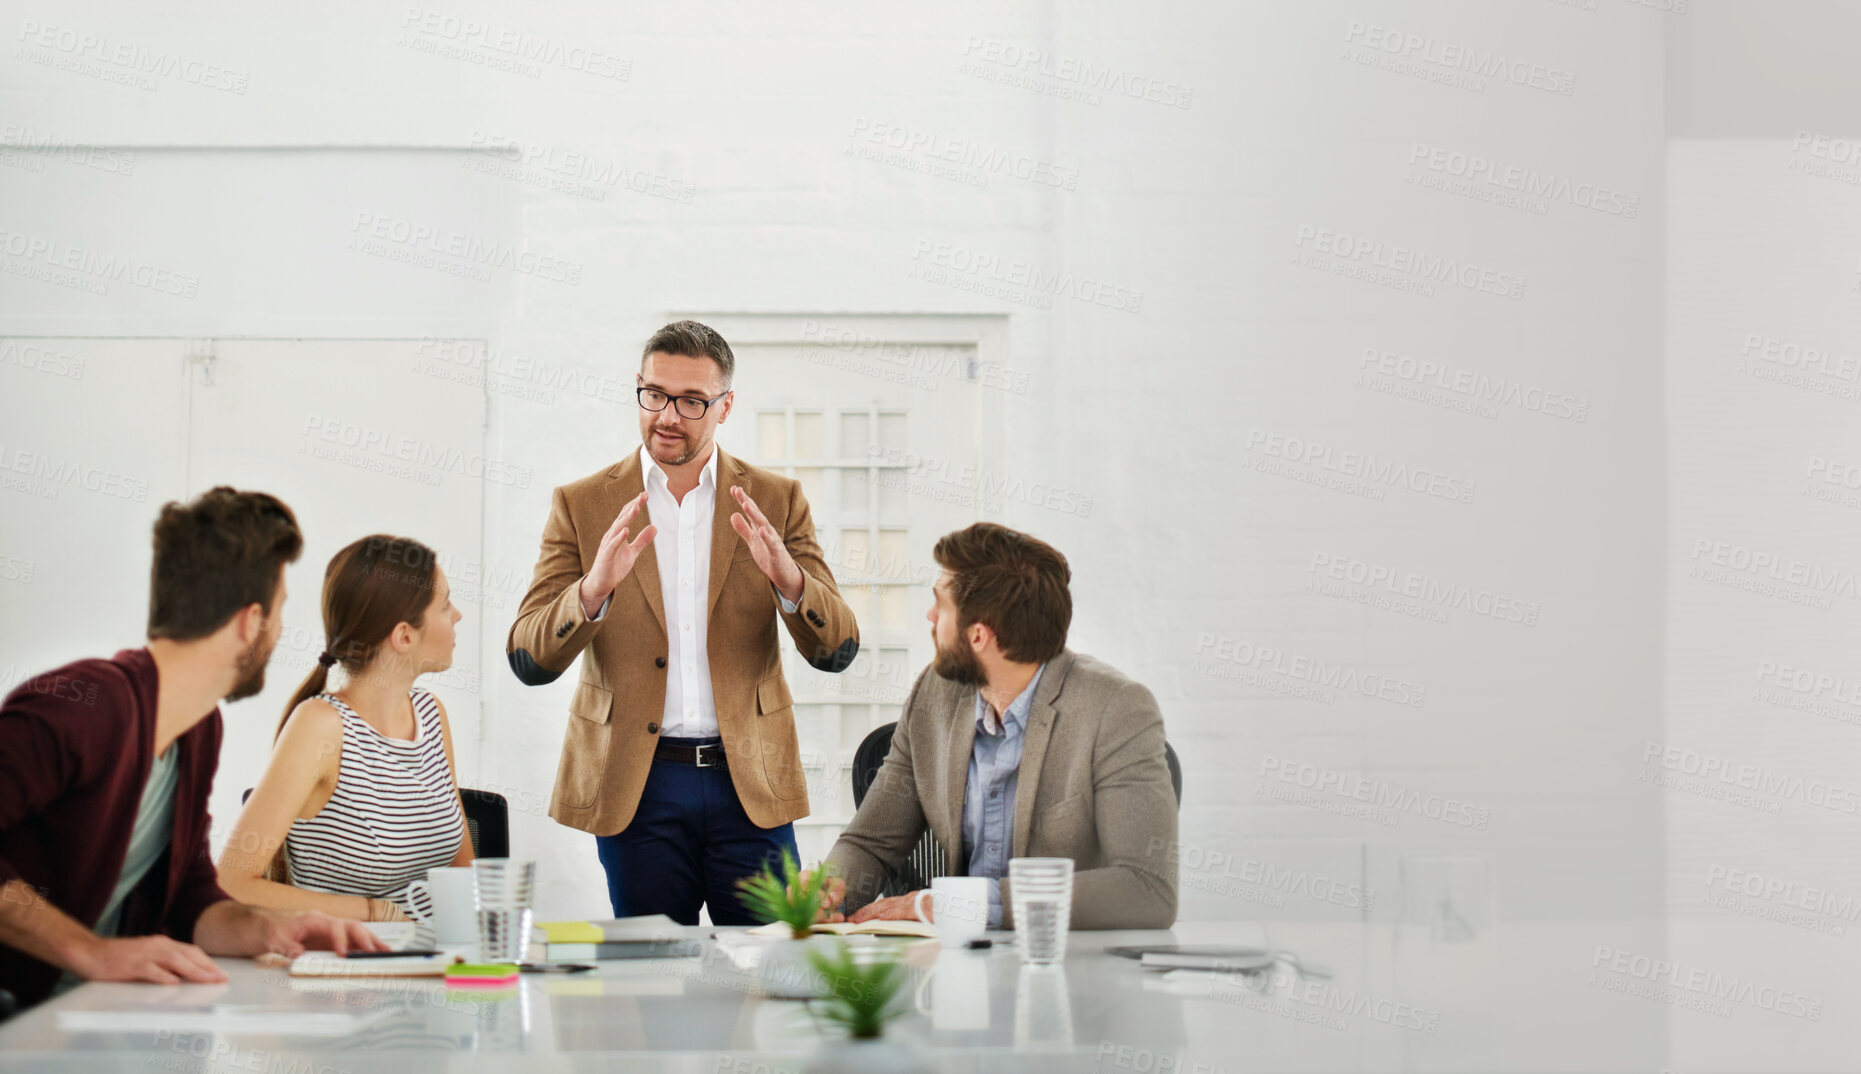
1012	745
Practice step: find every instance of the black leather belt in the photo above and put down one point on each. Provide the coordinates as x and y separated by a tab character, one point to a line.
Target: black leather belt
710	755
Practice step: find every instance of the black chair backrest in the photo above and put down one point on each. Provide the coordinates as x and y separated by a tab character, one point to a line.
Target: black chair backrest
487	819
869	758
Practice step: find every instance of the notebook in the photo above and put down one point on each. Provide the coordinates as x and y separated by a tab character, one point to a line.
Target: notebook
328	964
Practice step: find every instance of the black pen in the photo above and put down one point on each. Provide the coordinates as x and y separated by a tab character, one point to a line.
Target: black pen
420	953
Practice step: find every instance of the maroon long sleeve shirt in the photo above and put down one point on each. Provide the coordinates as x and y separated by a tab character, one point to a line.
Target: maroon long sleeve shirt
76	745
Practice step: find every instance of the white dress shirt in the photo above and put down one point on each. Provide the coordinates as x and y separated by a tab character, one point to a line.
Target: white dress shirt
683	548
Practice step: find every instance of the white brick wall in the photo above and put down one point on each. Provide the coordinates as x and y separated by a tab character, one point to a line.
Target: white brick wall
1168	417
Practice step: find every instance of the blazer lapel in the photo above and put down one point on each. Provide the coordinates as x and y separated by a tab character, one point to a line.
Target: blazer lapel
1040	718
724	539
629	481
956	777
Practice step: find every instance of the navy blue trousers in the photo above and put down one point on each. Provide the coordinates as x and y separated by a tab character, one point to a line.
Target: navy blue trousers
688	845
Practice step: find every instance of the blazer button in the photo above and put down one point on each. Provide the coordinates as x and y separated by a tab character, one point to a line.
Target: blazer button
652	728
659	661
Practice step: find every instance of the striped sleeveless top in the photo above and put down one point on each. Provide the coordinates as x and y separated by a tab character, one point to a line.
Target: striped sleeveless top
394	813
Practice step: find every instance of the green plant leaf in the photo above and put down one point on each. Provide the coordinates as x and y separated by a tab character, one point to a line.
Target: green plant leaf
860	998
793	898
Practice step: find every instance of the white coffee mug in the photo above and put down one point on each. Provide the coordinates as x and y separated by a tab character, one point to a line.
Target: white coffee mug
449	892
955	993
959	908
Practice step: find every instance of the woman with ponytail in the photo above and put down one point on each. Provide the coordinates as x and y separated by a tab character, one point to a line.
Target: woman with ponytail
359	798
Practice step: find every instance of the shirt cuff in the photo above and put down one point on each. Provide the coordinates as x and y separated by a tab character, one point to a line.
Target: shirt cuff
995	903
597	616
788	606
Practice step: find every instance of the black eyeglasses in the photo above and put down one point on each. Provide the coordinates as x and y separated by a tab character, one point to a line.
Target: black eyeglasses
689	407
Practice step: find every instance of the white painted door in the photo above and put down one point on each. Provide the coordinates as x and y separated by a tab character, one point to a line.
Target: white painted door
878	433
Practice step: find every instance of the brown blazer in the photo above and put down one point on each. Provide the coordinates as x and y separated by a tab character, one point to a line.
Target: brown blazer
615	712
1093	787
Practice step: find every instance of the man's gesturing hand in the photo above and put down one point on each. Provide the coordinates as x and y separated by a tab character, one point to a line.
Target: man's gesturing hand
615	557
766	546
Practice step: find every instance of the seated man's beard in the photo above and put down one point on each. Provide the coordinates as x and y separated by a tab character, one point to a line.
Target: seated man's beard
251	669
958	665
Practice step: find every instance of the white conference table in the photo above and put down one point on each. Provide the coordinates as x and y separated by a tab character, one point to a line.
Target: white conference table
1526	996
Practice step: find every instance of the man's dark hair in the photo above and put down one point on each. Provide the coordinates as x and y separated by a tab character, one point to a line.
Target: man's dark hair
1014	584
216	555
689	339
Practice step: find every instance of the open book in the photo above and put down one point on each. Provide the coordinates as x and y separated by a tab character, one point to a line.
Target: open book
922	929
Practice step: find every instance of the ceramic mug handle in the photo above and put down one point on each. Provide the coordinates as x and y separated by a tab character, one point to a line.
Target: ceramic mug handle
414	902
917	903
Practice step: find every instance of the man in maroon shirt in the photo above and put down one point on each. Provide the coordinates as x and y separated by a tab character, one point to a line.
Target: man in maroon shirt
105	768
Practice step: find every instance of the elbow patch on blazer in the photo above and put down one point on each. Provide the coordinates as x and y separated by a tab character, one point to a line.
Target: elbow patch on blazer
836	661
528	671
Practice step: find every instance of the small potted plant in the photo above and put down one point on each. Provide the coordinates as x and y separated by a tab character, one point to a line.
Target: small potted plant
861	999
795	899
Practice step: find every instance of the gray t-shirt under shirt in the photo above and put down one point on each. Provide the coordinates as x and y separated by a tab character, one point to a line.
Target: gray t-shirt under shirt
153	831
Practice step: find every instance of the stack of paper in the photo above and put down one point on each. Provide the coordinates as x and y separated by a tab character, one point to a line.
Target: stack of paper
647	936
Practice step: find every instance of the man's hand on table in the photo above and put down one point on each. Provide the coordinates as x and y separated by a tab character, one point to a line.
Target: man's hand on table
231	928
896	908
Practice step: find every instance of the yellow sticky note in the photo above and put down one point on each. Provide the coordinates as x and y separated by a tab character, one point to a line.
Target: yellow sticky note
571	932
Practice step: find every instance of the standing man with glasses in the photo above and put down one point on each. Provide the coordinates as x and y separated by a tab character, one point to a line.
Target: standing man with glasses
681	754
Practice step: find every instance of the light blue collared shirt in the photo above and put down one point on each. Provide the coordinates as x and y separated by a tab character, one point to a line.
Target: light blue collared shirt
989	791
